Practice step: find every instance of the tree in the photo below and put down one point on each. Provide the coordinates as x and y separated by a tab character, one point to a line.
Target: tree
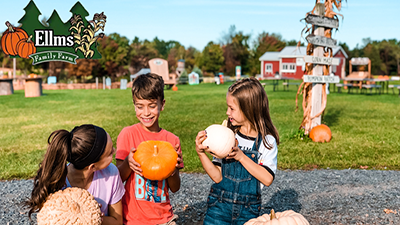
212	58
83	68
265	42
237	53
113	57
190	58
30	21
140	54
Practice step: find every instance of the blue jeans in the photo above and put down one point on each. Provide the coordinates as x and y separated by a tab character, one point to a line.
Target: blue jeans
237	198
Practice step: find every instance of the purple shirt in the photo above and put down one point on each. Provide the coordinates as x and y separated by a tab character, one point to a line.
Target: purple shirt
106	187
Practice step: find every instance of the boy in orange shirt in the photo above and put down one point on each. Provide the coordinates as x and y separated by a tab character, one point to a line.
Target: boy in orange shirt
146	201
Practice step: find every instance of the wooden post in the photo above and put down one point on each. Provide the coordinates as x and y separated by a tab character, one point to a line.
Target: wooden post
6	86
97	83
316	94
14	69
33	87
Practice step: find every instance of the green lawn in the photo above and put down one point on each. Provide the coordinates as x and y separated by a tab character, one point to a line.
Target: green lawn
365	128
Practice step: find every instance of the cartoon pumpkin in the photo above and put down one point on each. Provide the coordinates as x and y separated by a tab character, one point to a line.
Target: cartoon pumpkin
10	39
25	47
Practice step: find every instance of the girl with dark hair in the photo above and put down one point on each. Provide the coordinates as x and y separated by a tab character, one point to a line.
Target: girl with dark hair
89	151
235	197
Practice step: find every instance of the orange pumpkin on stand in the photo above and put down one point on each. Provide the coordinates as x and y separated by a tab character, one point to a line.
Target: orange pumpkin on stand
10	39
26	47
321	133
157	159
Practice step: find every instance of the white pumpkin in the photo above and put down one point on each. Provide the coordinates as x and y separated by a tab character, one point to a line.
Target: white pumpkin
288	217
72	206
220	140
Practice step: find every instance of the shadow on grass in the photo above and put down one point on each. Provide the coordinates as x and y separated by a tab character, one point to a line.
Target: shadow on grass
332	116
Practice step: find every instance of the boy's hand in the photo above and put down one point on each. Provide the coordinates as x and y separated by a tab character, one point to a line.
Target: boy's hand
135	166
236	153
179	160
201	136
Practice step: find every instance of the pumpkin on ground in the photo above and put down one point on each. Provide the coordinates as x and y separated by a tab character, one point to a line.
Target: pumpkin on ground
321	133
157	159
174	88
288	217
26	47
10	39
220	140
71	206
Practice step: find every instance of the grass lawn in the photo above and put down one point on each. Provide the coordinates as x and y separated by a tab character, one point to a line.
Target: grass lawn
365	128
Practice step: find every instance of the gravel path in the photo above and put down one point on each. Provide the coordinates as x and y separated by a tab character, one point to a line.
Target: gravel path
322	196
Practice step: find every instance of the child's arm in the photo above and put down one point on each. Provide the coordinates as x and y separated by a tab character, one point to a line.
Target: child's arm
253	168
128	165
174	181
212	170
114	214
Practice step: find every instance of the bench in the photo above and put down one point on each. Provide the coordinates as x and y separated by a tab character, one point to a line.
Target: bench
287	84
275	84
393	86
340	85
371	86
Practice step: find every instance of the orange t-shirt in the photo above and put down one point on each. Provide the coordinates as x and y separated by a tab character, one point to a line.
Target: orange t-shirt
145	201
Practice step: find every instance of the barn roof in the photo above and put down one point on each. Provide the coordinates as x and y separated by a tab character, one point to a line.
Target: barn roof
293	51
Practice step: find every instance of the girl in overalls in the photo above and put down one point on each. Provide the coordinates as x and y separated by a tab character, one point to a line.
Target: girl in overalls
235	197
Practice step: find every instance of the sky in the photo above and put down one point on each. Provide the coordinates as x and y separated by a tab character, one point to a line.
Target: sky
197	22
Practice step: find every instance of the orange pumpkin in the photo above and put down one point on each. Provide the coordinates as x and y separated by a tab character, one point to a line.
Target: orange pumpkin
25	47
321	133
156	158
174	88
10	39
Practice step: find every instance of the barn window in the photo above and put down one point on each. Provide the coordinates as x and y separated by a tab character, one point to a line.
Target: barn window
289	67
268	68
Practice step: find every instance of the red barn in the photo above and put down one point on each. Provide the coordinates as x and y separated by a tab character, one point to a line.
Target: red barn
290	62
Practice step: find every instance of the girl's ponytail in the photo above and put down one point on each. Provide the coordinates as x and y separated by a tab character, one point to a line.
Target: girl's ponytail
52	171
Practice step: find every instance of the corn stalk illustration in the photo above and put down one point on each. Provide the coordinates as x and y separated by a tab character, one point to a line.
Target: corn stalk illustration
84	38
306	88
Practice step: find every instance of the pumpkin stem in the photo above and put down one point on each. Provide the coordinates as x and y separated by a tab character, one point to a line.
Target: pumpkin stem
10	27
29	39
273	216
155	150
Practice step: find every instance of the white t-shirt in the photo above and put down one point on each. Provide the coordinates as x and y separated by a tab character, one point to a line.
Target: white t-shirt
268	158
106	187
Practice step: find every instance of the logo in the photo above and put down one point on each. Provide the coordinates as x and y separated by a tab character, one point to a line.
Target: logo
56	40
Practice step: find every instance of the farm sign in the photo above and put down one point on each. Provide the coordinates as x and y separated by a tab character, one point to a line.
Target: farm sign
55	40
321	60
321	41
321	79
322	21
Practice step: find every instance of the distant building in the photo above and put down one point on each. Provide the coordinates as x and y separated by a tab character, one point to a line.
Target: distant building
290	62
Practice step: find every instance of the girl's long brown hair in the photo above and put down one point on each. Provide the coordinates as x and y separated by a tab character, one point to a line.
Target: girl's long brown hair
63	147
253	103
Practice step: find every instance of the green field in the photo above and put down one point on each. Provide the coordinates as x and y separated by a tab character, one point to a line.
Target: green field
365	128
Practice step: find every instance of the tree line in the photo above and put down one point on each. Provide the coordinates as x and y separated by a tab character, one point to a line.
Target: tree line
122	57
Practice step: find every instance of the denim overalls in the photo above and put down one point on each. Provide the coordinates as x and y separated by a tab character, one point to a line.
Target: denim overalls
237	198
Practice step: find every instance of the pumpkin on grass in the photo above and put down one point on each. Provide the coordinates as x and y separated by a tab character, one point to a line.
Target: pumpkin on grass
71	206
321	133
220	140
288	217
26	47
157	159
10	39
